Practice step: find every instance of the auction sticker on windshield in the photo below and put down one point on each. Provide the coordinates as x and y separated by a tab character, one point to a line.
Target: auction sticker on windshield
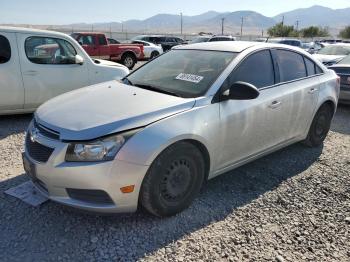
189	78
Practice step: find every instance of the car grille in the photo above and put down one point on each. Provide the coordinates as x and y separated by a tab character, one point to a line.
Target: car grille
37	151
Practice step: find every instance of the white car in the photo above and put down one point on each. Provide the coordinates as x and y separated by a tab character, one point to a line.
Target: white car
331	54
37	65
150	50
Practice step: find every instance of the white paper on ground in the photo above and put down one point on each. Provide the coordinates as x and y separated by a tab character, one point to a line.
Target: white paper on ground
28	194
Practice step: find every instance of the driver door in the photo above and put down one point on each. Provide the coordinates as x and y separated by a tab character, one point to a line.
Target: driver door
48	68
250	127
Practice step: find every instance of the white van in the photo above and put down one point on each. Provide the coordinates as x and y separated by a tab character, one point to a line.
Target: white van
36	65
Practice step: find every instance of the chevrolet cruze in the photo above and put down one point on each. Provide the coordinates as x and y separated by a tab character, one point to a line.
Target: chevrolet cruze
193	113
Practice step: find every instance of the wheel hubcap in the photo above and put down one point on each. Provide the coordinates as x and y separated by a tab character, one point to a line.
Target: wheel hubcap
176	181
129	61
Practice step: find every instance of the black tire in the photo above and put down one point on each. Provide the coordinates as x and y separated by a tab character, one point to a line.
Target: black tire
173	180
320	126
129	60
154	54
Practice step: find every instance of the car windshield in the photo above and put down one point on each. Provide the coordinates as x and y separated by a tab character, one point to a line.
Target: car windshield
335	50
345	60
185	73
200	40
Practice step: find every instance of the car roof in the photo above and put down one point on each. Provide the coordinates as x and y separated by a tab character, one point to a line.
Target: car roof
142	41
229	46
12	29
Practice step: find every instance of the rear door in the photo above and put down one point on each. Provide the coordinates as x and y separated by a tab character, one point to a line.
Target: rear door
11	85
300	88
250	127
48	68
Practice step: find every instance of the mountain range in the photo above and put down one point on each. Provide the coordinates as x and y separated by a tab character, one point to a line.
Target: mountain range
253	22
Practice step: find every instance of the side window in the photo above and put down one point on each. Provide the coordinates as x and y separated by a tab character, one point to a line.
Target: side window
86	40
5	50
257	70
291	65
47	50
310	67
102	40
319	70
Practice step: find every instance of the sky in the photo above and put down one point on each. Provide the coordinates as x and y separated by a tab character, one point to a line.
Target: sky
75	11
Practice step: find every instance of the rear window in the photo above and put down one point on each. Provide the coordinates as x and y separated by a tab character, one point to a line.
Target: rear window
102	40
335	50
291	65
5	50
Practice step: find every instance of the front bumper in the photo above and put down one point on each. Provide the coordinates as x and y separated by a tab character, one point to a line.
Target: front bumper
54	177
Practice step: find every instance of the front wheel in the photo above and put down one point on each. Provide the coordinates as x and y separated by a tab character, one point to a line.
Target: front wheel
319	127
154	54
129	60
173	180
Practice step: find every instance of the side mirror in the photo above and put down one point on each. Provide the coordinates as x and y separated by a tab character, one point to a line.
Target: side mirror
241	91
79	60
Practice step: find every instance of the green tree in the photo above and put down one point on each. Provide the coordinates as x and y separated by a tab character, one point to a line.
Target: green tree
345	33
314	31
281	30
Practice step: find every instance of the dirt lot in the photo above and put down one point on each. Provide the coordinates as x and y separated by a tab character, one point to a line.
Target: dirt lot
293	205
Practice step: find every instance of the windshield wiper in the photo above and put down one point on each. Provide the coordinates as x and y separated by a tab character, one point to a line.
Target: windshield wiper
156	89
128	81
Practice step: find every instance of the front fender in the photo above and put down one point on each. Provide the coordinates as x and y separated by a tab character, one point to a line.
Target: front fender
199	124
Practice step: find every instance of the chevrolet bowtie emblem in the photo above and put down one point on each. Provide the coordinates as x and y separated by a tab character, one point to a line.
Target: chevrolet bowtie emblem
34	134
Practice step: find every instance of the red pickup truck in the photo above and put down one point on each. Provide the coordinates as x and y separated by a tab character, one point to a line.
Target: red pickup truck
97	46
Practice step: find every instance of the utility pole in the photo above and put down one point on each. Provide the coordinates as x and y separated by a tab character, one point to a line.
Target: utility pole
92	27
181	22
242	18
262	33
297	25
122	27
282	20
222	25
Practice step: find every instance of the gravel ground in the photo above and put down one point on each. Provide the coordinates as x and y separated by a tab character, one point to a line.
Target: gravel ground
293	205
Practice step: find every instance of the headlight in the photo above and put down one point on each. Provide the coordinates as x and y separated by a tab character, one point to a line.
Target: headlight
103	149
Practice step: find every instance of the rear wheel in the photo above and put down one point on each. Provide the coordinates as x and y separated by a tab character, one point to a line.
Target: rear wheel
129	60
173	180
320	126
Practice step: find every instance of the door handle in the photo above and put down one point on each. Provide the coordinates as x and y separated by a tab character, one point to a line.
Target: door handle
30	73
275	104
312	90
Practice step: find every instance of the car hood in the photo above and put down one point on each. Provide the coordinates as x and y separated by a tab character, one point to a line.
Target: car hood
107	108
109	63
327	58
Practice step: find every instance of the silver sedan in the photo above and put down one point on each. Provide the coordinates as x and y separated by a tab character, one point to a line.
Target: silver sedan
187	116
